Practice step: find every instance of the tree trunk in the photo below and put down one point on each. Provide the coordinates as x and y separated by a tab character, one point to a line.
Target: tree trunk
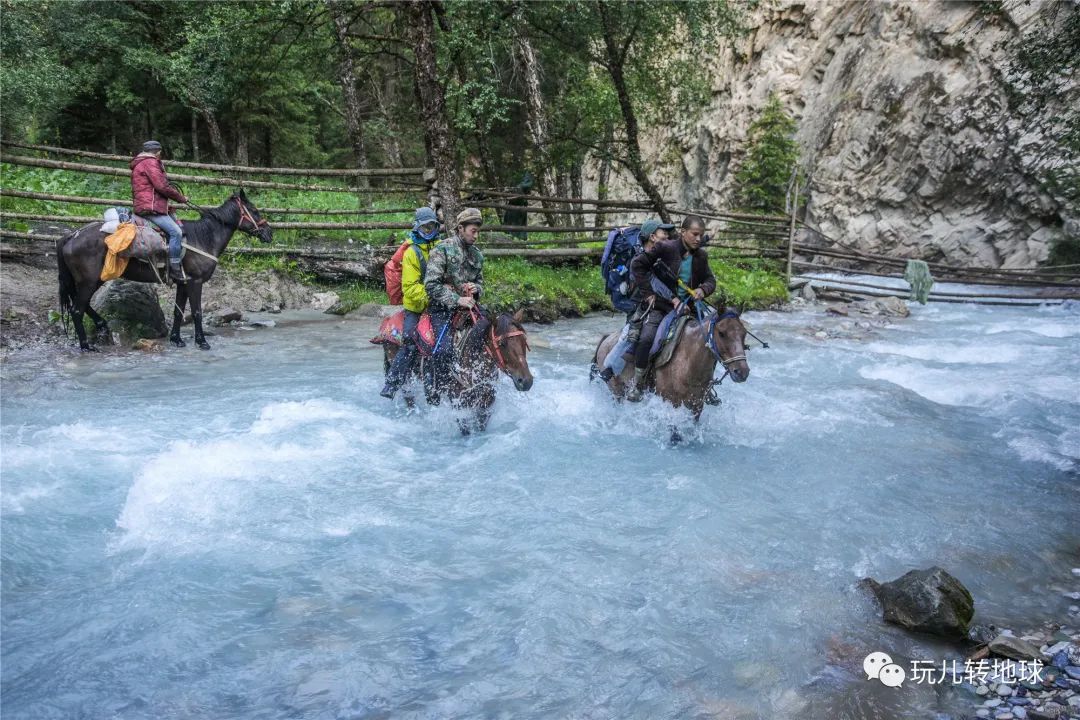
386	97
268	139
615	62
534	104
354	119
433	106
217	140
576	189
603	176
195	136
241	145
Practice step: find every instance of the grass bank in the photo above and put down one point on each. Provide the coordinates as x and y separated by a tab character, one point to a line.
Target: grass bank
548	291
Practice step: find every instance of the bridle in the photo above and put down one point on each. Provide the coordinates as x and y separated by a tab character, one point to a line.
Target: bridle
245	214
710	338
496	342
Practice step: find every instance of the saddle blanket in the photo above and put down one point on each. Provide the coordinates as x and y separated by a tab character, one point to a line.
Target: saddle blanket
667	338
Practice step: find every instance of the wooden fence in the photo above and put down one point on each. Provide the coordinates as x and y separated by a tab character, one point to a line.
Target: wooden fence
783	241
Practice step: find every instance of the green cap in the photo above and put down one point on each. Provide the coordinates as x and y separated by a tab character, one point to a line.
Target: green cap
650	226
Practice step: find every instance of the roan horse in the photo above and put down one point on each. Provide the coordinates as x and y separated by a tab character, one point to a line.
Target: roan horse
81	255
685	380
488	348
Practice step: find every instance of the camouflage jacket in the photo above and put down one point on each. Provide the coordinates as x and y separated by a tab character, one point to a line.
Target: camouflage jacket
451	265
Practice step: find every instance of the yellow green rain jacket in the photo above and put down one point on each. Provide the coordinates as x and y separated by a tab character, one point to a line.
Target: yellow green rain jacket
414	296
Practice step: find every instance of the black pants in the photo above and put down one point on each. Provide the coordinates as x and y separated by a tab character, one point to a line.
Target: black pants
443	358
403	361
648	334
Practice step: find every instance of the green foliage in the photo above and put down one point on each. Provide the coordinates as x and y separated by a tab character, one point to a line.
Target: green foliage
762	180
756	287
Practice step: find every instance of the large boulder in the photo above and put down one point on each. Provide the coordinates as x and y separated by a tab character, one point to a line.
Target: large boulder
929	601
132	310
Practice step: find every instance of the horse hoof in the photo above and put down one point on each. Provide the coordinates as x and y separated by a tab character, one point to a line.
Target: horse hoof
87	348
203	345
178	342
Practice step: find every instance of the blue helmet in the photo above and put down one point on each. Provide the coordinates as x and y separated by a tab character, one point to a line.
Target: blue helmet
426	216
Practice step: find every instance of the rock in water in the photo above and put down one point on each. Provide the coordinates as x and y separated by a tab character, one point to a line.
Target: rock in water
132	310
324	301
928	601
1014	648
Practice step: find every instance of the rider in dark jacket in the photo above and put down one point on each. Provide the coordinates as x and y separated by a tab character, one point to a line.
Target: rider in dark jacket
685	259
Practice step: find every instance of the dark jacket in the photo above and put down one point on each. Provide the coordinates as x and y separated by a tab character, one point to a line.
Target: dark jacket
671	253
150	188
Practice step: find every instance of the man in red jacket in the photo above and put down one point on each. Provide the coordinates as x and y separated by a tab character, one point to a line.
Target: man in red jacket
151	191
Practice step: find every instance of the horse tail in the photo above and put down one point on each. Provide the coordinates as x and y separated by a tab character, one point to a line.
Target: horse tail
596	352
66	282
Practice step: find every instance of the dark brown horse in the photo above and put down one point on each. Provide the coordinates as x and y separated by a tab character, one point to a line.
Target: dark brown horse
488	347
717	337
81	255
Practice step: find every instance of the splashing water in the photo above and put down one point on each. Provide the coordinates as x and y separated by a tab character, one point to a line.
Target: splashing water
253	532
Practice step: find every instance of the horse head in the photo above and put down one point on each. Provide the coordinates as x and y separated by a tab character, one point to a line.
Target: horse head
727	335
507	344
250	222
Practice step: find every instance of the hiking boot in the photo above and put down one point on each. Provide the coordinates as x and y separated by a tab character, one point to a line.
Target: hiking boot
388	391
176	271
638	388
606	374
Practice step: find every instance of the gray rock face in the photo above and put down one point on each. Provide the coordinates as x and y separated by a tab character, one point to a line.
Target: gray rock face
132	310
929	601
905	127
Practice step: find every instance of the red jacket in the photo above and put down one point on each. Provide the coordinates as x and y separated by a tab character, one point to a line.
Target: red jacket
150	188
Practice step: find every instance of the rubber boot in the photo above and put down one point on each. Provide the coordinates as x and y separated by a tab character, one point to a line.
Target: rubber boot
176	270
635	393
388	390
606	374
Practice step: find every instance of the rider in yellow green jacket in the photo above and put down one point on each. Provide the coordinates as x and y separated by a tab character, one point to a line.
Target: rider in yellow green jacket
424	235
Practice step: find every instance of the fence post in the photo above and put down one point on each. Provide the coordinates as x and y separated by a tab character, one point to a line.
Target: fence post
791	229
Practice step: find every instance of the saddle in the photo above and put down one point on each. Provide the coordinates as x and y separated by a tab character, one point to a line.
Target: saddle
392	332
667	338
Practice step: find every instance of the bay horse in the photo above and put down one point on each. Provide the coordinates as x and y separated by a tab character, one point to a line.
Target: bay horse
713	337
81	255
489	346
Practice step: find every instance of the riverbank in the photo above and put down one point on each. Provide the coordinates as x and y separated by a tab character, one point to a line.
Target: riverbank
29	305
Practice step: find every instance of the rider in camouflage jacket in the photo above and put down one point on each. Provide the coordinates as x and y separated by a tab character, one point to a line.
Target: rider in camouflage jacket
453	281
453	264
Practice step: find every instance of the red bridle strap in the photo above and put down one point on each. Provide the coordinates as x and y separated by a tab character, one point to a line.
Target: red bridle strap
245	215
498	340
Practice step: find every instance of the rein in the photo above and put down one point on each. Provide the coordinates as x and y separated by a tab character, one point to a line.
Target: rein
498	341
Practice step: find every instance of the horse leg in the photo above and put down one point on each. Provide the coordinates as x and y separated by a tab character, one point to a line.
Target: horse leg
676	436
100	323
483	408
80	306
195	298
178	314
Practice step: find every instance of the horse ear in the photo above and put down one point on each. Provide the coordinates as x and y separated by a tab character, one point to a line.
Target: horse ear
519	316
241	194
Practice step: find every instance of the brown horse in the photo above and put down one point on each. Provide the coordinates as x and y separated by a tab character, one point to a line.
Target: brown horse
686	379
81	255
487	348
